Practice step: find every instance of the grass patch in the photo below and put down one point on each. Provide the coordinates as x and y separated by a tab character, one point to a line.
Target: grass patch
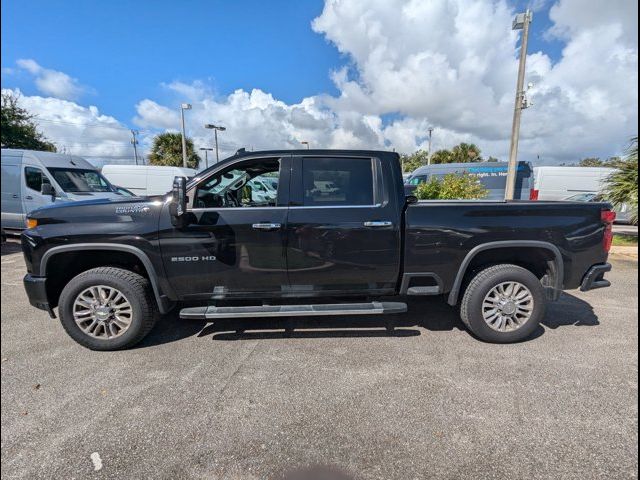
620	240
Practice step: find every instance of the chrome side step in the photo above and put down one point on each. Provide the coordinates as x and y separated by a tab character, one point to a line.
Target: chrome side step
423	290
373	308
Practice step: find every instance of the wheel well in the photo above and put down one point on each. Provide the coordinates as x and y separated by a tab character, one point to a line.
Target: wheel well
538	260
62	267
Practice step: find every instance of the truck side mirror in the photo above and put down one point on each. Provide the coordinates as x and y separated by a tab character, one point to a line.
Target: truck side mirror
411	199
47	189
178	206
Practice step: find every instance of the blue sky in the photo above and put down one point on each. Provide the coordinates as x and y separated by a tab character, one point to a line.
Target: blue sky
124	50
344	74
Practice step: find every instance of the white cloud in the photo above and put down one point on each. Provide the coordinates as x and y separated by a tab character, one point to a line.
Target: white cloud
450	64
453	64
52	82
76	129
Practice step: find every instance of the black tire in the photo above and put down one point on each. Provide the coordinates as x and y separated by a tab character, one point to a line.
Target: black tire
482	284
134	287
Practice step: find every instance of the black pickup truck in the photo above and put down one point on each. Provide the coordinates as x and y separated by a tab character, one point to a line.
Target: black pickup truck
308	232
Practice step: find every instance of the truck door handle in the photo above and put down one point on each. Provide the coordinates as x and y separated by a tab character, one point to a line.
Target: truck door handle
266	227
378	224
28	197
15	195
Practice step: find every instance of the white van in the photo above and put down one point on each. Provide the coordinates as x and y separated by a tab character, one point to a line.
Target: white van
32	179
558	183
145	180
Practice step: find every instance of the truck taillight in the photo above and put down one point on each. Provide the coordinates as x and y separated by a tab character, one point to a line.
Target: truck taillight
608	217
534	194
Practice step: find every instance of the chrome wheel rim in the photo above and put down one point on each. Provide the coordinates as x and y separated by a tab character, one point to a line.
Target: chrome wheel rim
507	306
102	312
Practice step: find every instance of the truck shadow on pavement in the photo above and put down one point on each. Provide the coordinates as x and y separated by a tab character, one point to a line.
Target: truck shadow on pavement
431	314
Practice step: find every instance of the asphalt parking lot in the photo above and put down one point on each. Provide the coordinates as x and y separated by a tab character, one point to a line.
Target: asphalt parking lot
200	400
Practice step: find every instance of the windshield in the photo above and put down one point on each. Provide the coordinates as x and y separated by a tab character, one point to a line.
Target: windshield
582	197
75	180
416	180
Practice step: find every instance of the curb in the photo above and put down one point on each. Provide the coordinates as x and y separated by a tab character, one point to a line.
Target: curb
628	253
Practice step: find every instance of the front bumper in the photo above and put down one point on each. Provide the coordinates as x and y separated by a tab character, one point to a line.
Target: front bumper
37	293
594	278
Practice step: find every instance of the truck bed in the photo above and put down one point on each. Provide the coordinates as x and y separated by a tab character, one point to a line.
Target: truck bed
441	234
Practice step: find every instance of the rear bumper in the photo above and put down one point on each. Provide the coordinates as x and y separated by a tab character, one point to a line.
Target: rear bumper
594	278
37	293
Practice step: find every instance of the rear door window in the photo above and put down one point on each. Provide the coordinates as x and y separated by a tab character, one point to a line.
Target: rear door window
33	178
337	181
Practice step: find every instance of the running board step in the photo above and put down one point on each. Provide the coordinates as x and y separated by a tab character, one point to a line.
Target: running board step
373	308
423	291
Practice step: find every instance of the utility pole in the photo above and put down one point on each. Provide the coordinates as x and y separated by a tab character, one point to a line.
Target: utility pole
134	142
183	107
215	129
430	130
521	22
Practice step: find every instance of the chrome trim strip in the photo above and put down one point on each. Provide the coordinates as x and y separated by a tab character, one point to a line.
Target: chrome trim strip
215	209
299	207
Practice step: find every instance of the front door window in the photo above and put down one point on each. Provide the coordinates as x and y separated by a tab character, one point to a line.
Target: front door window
253	184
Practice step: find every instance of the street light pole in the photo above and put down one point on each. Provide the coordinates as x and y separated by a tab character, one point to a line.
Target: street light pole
215	129
206	155
521	22
183	107
306	143
429	152
215	134
134	141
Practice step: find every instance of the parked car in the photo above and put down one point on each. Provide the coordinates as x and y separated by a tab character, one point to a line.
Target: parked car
623	214
32	179
216	250
145	179
492	175
558	183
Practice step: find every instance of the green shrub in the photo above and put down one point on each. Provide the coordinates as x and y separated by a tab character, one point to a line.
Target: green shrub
452	187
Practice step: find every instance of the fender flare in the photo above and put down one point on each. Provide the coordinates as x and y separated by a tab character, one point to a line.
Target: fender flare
164	305
558	264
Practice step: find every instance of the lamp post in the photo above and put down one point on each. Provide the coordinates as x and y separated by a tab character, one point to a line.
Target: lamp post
183	107
306	143
206	155
521	22
430	130
134	142
215	129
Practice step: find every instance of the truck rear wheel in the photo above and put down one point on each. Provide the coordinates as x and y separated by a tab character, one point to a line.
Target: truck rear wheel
107	308
503	304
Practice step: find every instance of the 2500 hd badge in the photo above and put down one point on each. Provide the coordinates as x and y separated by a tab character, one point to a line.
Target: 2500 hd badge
203	258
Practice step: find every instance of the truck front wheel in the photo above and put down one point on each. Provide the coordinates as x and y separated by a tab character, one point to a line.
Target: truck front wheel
107	308
503	304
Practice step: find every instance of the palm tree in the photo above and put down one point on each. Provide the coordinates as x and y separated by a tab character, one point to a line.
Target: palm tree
466	152
463	153
167	151
622	185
